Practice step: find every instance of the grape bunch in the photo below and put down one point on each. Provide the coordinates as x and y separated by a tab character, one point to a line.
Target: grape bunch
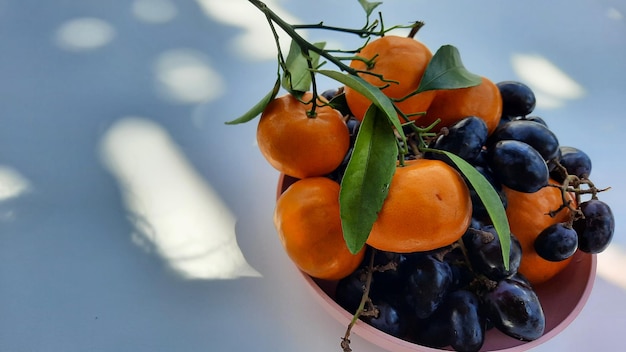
443	298
452	295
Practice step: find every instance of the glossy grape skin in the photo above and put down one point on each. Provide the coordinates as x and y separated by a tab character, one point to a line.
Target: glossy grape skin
388	320
485	253
556	172
575	161
595	230
533	118
520	279
515	310
465	138
517	98
427	285
556	243
532	133
518	166
467	324
329	94
353	127
459	323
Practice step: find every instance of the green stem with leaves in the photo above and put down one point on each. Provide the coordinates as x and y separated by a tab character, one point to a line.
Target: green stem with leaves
384	139
295	36
363	33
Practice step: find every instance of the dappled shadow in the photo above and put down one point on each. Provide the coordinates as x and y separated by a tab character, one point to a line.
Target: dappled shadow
172	206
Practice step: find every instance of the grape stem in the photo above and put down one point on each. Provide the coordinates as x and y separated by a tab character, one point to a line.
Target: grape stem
361	311
480	282
572	185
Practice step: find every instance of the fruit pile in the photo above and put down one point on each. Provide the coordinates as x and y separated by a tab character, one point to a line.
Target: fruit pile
433	262
431	196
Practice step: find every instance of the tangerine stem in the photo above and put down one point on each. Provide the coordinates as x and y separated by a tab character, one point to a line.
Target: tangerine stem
415	28
309	62
281	59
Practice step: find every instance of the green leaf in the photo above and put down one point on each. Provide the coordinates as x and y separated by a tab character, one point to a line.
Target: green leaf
490	199
446	71
297	76
368	175
258	108
369	6
372	93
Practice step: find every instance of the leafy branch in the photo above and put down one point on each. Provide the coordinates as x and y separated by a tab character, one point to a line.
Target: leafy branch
305	45
381	140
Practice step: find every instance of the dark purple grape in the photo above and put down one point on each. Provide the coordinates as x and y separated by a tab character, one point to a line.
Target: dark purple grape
390	277
556	173
337	100
329	94
478	223
433	331
479	212
533	118
556	243
532	133
353	127
459	323
518	166
467	323
504	119
595	230
427	285
350	290
517	98
389	320
521	279
409	260
462	274
515	310
482	159
485	253
465	138
349	293
575	161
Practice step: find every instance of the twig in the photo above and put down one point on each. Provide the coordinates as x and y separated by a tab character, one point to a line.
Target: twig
345	340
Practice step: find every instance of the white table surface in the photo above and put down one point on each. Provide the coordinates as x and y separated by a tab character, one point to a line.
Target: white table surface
133	219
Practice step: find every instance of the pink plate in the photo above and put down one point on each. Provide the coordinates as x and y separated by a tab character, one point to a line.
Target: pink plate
562	299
